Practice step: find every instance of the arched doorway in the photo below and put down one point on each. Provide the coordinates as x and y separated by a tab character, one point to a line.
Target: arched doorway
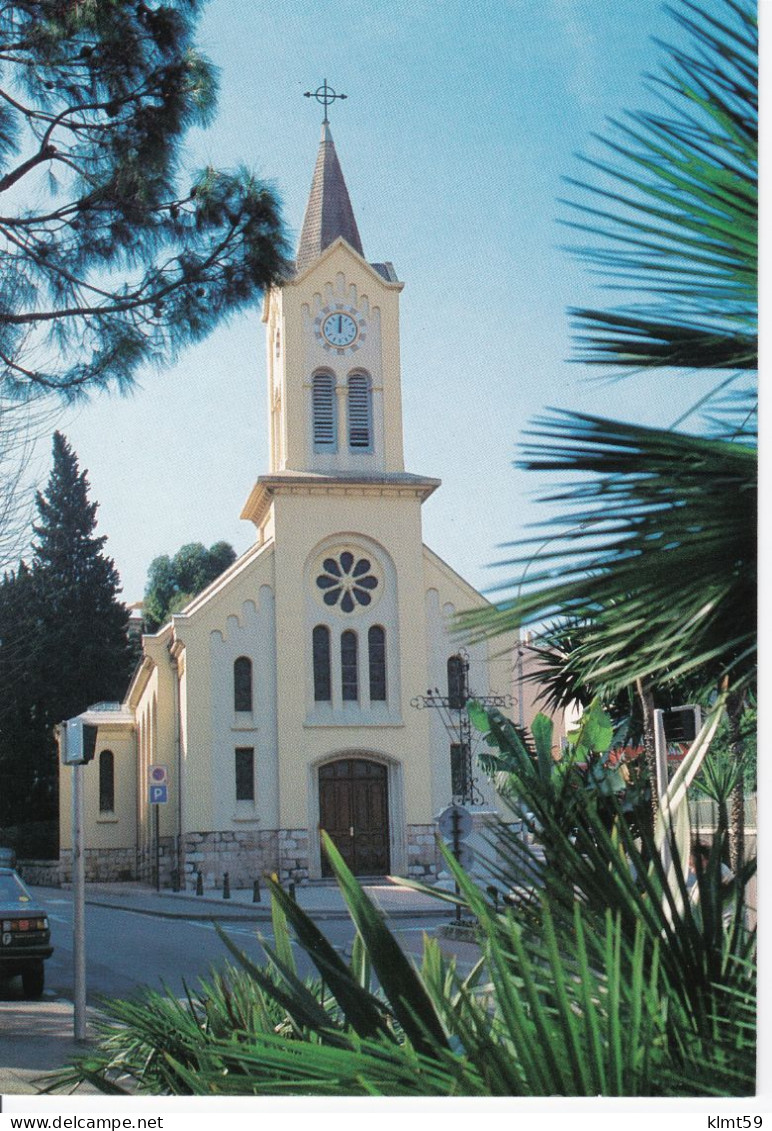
354	811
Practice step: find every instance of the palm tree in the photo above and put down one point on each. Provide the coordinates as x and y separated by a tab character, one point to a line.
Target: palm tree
658	547
661	554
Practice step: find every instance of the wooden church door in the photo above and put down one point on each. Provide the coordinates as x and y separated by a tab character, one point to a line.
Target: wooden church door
354	811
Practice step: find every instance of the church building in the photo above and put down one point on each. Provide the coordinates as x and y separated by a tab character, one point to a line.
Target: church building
286	698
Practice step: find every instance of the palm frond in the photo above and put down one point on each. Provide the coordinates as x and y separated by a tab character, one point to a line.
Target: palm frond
675	208
655	549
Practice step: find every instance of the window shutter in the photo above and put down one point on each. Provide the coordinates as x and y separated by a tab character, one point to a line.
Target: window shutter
323	407
359	415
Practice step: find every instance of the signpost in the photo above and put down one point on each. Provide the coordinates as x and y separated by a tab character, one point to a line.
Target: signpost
158	794
78	743
78	905
455	825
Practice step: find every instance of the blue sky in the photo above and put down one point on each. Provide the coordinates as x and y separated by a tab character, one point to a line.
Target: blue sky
460	122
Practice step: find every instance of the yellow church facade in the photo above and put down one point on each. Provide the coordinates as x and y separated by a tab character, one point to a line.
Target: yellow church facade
283	699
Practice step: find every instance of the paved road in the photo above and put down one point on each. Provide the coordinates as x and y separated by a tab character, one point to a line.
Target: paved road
127	949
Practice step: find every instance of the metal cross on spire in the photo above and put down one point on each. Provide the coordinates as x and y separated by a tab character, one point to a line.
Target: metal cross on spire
325	96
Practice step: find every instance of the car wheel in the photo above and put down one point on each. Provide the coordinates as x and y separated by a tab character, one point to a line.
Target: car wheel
33	979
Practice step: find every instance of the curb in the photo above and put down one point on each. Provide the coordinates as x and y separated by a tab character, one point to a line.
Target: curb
260	915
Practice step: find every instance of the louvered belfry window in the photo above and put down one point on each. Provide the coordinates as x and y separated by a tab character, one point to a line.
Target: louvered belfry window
323	409
360	429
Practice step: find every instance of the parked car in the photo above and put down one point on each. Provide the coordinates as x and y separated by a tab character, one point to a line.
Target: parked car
25	936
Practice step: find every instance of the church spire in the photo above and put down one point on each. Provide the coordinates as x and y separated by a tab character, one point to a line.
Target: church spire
328	213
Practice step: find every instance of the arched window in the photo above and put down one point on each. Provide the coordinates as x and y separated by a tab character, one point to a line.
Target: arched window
459	771
376	647
323	412
349	675
245	773
360	425
242	684
106	782
457	690
321	650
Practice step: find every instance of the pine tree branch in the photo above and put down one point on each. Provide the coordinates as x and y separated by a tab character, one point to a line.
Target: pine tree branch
47	152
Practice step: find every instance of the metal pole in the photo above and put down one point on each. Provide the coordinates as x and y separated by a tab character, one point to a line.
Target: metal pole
157	849
660	763
456	852
79	905
660	753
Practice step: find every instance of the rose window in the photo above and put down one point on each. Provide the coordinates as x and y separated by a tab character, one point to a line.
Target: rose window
347	581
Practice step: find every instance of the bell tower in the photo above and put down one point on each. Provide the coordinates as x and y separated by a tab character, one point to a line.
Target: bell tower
334	397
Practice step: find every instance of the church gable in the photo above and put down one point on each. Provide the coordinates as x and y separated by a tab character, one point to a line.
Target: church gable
341	256
225	596
452	587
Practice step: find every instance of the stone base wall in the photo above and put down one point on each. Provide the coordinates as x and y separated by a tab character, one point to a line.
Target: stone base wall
166	862
423	856
101	865
293	855
46	873
245	856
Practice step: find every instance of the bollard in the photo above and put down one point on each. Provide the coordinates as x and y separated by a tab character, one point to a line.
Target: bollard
256	891
493	892
199	884
226	886
291	890
175	880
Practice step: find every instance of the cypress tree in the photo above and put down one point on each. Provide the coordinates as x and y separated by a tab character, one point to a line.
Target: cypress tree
63	646
86	656
27	786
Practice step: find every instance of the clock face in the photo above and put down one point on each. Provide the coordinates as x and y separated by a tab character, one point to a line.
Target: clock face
339	329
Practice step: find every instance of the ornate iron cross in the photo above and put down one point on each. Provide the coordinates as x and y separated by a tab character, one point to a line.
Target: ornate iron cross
452	710
325	96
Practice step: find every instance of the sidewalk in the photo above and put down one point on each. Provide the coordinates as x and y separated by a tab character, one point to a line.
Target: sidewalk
321	900
35	1038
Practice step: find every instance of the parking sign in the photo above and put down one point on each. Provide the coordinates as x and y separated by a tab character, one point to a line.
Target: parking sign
159	794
